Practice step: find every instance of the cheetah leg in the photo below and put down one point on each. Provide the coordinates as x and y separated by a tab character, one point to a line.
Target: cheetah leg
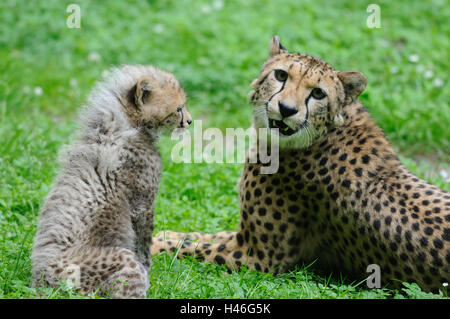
110	271
229	250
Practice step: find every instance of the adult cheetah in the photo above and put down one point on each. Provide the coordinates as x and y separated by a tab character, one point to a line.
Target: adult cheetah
340	197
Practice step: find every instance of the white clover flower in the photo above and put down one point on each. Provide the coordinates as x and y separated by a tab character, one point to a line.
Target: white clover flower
438	82
158	28
218	5
413	58
38	91
94	57
394	70
428	74
443	173
205	9
445	284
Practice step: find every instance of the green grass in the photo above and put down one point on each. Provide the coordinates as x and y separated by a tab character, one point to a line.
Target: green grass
215	53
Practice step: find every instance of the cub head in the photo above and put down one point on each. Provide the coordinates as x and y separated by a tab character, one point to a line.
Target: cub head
157	101
301	96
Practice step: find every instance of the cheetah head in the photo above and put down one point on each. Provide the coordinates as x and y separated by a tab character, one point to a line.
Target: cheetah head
301	96
157	101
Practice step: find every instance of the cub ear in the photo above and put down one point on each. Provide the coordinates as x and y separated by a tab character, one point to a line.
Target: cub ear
275	46
144	88
354	83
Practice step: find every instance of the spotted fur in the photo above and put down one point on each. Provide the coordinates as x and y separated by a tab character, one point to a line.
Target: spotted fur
96	226
341	198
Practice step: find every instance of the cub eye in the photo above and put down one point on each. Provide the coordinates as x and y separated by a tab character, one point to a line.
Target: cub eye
318	94
281	75
179	109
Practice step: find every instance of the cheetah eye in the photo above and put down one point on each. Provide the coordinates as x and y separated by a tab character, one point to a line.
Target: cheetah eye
281	75
179	109
318	94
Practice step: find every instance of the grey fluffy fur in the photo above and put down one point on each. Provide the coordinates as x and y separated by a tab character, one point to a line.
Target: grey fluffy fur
96	224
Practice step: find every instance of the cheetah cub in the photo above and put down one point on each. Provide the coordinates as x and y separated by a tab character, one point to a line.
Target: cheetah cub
95	229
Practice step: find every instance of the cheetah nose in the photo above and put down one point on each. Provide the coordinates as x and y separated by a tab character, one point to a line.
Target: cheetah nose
189	122
286	110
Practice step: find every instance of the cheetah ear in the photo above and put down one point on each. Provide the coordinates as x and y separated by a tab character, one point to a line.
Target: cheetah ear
354	83
276	47
143	90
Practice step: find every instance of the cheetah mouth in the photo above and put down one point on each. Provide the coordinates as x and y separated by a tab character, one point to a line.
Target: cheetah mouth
282	127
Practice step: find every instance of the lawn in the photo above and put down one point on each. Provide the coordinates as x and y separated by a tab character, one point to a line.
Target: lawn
215	48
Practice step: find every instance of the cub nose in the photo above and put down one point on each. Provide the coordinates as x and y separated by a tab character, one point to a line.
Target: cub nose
189	122
286	110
